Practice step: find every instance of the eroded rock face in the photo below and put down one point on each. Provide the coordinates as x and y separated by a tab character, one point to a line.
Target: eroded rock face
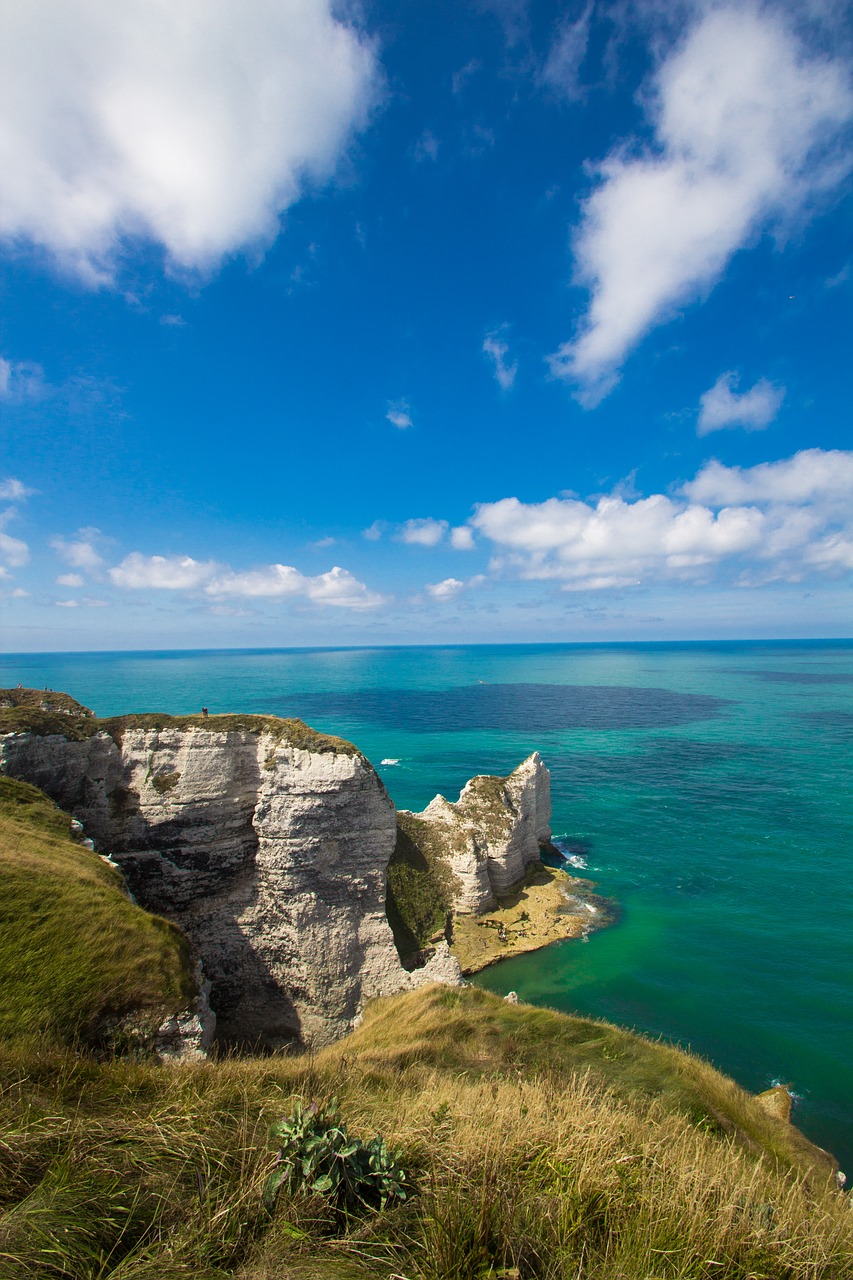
492	832
271	856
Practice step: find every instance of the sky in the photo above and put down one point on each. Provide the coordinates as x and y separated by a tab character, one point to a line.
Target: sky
450	322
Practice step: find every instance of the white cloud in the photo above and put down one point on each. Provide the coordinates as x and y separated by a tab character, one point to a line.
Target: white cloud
337	587
21	381
80	551
167	573
449	588
789	518
66	604
322	543
374	531
70	580
20	594
193	125
423	533
744	120
462	538
565	57
12	490
813	476
498	351
724	406
399	414
445	590
183	573
13	552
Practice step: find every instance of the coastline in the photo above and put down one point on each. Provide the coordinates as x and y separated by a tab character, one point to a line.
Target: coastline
549	905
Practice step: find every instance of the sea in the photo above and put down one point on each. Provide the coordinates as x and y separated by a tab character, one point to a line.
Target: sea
704	787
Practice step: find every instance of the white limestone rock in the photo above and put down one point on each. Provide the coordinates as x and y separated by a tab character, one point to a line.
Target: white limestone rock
492	832
268	846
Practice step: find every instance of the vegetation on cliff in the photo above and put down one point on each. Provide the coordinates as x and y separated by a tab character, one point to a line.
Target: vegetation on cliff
77	958
43	713
420	886
534	1146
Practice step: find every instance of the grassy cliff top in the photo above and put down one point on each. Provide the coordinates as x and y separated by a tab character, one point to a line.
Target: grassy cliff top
28	715
76	956
42	700
536	1147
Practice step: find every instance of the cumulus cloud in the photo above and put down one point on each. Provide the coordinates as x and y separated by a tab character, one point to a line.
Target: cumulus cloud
423	533
80	550
497	350
70	580
275	581
193	125
819	477
167	573
399	415
337	587
21	381
744	122
446	589
462	538
788	518
724	406
449	588
374	531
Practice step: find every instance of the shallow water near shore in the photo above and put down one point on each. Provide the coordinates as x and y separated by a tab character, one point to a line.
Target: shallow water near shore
705	786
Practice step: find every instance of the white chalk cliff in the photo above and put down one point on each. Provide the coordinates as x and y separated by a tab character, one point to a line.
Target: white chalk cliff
491	833
268	844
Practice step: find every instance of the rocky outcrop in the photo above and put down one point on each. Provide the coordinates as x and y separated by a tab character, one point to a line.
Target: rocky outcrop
267	843
490	835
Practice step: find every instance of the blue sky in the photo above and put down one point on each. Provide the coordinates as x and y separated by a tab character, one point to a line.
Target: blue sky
487	321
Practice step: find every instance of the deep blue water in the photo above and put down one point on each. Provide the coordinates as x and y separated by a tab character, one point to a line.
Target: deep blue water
706	787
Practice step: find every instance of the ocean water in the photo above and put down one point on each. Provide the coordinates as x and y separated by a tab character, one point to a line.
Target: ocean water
705	787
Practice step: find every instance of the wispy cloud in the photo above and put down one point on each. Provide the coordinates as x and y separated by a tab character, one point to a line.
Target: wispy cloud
399	414
80	550
14	553
22	382
744	122
132	120
497	350
724	406
562	70
12	490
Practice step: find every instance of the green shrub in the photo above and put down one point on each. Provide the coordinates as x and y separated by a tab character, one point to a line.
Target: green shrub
317	1152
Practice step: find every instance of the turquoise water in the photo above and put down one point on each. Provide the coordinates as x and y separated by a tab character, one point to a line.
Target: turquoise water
705	786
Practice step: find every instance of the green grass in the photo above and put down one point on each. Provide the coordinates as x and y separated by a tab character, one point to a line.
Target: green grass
556	1162
26	715
420	886
77	958
43	700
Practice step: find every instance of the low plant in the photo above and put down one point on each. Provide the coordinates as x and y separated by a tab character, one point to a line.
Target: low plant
317	1152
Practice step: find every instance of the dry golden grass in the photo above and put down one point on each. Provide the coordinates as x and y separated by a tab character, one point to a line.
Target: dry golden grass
533	1153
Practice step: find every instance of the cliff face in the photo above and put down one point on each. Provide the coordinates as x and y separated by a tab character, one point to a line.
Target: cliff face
491	834
267	844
